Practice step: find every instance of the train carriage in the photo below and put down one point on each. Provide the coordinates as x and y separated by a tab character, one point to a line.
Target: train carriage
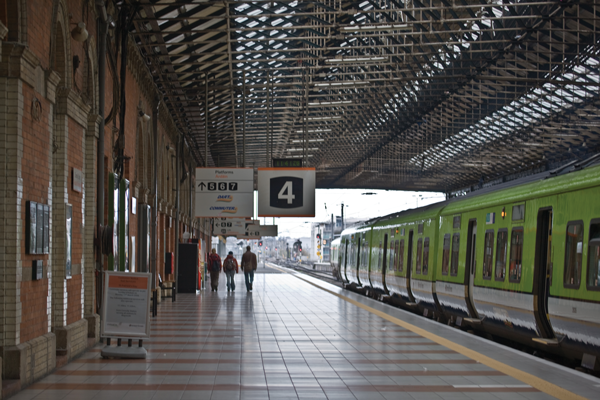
355	242
407	239
520	260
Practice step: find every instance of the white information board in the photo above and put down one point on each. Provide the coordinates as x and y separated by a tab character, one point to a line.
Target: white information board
126	304
286	192
230	226
258	231
224	192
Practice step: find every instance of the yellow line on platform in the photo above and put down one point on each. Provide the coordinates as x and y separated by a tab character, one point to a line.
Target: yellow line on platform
525	377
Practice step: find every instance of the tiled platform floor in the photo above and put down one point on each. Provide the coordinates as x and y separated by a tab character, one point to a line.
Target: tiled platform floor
287	339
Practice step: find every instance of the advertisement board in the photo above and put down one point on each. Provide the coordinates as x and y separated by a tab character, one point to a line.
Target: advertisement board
126	304
224	192
286	192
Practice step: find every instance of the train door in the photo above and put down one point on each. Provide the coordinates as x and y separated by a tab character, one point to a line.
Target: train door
345	260
471	265
358	261
542	271
384	266
409	263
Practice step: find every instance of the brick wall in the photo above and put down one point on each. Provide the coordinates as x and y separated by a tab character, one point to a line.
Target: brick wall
74	299
34	296
36	165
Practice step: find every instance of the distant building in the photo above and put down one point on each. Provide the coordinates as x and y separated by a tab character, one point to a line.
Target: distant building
322	234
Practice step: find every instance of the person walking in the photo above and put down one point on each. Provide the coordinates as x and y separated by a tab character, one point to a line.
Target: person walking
249	266
214	263
230	266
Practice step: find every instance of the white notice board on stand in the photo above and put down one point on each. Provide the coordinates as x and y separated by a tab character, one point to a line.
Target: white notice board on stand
126	304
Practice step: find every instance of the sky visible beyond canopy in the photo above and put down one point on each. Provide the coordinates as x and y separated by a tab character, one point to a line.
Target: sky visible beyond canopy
356	205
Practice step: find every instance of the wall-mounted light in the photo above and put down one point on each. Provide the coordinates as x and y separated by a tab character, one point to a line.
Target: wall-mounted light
503	214
80	33
144	117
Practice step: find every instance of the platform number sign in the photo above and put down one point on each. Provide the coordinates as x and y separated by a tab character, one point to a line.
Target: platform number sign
286	192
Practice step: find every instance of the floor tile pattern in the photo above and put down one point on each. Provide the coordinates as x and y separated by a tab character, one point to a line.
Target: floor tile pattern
285	340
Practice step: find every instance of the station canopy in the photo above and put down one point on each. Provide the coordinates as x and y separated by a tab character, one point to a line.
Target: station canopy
414	95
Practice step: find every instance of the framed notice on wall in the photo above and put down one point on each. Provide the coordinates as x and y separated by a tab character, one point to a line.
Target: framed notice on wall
69	239
126	304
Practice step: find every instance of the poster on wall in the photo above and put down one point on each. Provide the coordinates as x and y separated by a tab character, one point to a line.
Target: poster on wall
32	226
126	304
69	239
132	265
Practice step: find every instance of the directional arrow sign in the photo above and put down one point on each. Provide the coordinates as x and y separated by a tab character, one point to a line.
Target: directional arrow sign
258	231
224	192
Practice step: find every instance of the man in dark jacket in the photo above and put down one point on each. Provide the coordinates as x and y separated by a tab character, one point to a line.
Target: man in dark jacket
249	266
214	267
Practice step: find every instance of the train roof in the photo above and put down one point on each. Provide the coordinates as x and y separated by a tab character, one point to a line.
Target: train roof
457	202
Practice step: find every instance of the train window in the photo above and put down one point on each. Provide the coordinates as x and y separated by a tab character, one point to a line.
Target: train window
456	222
390	257
380	257
400	256
516	254
488	255
364	257
384	252
419	259
393	264
446	254
573	254
501	250
425	256
518	212
593	277
420	229
455	246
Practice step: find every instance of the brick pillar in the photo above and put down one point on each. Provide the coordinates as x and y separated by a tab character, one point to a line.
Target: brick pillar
89	266
11	206
60	198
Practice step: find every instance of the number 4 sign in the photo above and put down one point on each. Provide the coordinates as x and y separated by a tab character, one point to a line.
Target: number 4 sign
286	192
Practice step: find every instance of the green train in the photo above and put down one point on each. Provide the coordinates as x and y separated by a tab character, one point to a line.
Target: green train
520	260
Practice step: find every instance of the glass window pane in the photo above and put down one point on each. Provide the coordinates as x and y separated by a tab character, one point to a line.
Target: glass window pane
380	257
501	250
488	260
426	256
573	254
594	257
518	212
455	246
516	255
446	254
419	250
401	256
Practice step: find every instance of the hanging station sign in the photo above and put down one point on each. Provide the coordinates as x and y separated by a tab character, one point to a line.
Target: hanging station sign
224	192
286	192
256	231
230	226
